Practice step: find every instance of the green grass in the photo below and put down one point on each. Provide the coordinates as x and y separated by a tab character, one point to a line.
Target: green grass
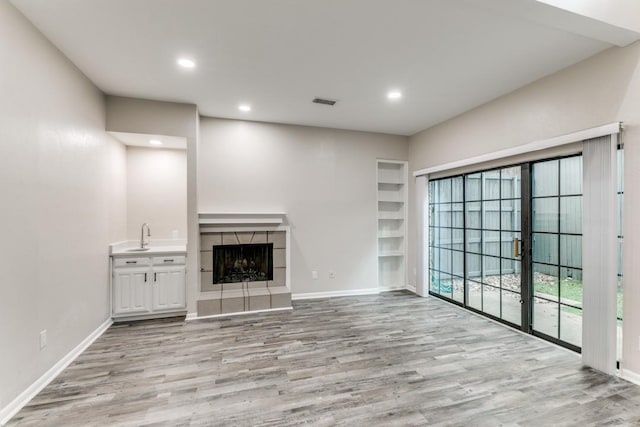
570	289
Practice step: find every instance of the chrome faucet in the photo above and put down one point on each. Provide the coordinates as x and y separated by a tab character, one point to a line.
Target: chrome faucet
142	242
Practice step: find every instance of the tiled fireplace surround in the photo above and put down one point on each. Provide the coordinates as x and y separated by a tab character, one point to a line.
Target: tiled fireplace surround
239	297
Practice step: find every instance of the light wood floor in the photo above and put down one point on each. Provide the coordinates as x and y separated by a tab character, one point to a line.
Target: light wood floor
389	359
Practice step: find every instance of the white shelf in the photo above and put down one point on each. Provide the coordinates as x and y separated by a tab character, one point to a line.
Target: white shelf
390	235
228	218
394	253
390	215
390	198
392	211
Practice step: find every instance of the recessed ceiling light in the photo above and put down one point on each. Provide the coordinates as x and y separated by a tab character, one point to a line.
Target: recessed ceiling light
244	108
186	63
394	94
155	142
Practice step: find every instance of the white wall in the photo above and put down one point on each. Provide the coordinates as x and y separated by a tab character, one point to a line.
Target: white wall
63	200
324	179
174	119
156	192
600	90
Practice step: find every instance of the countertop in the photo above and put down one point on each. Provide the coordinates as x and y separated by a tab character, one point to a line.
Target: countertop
159	247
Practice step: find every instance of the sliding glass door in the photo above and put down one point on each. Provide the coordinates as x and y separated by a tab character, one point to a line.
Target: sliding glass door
493	243
507	243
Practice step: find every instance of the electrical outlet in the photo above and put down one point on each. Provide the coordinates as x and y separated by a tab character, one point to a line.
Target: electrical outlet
332	275
314	275
43	339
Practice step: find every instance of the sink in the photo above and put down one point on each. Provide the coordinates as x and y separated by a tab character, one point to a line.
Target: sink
138	250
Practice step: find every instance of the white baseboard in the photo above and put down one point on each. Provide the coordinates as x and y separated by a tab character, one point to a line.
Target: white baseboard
330	294
191	316
411	288
391	288
23	398
630	376
194	316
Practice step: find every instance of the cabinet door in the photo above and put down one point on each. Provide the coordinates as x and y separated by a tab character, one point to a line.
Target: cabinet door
169	288
131	290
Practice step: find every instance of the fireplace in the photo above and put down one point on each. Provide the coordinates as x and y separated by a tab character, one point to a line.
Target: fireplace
242	263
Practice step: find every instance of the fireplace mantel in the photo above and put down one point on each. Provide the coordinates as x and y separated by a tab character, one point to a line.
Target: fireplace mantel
241	218
242	228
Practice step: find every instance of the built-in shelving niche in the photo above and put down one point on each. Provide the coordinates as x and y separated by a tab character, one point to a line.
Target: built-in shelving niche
392	224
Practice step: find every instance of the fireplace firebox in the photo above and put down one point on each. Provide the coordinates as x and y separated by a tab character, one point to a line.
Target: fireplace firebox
242	263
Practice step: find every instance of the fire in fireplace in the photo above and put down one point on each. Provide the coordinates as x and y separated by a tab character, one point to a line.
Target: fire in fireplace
242	263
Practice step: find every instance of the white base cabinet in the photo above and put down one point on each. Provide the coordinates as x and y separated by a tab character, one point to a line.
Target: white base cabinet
148	286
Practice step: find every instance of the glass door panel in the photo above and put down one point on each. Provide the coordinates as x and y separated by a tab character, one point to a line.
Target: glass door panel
493	243
446	238
557	249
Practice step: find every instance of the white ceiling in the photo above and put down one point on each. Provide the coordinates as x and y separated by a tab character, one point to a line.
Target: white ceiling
446	56
144	140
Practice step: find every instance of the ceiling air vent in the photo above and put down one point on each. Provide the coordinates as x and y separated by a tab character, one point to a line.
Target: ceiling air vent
324	101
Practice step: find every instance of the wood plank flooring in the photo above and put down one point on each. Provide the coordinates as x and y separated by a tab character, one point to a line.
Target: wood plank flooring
389	359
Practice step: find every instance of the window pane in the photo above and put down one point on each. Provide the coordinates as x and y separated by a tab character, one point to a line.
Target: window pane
458	289
473	241
511	307
474	295
545	178
472	190
444	240
491	271
444	190
571	175
491	300
571	287
456	215
571	251
446	285
491	243
545	215
571	214
545	248
620	213
511	183
545	281
491	219
511	278
444	215
458	263
458	239
474	215
474	263
456	189
571	325
509	245
510	214
491	188
445	260
545	317
435	282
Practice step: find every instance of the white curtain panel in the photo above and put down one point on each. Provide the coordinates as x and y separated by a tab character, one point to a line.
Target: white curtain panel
599	253
422	238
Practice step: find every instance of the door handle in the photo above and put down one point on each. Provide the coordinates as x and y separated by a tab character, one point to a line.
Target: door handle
145	277
154	277
516	247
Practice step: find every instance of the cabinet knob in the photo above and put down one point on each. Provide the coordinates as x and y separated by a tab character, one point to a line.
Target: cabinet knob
132	262
168	260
